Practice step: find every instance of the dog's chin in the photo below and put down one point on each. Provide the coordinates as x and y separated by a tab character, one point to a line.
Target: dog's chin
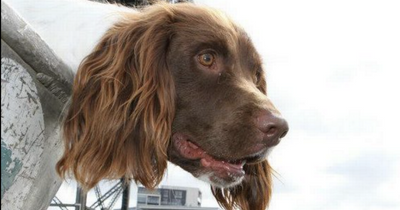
220	182
219	173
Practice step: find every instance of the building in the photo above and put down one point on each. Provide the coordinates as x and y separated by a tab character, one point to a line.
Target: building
170	197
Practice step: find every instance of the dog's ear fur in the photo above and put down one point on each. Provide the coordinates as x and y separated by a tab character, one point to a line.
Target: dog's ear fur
253	194
122	107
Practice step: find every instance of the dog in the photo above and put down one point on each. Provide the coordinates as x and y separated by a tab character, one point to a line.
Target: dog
171	82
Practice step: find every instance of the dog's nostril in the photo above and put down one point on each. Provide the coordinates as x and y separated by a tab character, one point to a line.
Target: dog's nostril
284	129
284	134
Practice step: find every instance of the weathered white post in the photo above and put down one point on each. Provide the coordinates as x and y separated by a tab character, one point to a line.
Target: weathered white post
30	116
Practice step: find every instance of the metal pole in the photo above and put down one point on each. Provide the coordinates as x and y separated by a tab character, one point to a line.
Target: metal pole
125	195
80	199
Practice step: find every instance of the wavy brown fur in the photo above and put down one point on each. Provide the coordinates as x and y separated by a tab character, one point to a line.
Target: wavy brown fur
125	130
253	194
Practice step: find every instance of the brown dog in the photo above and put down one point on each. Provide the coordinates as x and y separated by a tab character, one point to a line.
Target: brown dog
180	83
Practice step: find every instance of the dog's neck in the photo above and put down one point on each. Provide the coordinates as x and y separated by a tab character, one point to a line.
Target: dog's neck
71	28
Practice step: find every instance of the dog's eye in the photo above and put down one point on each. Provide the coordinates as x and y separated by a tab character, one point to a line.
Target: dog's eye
206	59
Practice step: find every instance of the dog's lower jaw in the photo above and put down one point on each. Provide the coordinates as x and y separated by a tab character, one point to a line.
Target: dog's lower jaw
218	182
219	179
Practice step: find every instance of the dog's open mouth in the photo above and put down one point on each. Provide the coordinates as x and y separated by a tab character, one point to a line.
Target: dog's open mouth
220	168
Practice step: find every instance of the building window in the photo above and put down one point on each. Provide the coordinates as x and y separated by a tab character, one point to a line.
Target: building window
141	199
178	194
153	200
165	193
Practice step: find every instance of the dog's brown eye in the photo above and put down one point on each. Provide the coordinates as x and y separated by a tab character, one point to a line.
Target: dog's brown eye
206	59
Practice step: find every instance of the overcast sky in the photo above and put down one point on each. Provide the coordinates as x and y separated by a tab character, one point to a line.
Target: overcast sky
333	71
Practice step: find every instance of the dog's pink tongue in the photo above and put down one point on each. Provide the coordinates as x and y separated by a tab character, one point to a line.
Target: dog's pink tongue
191	151
221	167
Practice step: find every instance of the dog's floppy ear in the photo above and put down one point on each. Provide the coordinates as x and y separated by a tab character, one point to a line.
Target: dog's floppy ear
253	194
122	107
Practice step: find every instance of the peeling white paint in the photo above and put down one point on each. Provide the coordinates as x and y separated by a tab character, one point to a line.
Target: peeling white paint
22	130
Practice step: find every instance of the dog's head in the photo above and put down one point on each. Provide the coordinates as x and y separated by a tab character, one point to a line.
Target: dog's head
180	83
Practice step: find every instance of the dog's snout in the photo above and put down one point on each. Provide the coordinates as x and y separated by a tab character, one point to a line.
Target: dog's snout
273	127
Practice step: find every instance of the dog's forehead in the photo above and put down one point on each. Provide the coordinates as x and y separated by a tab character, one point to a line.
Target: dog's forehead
248	54
201	28
199	20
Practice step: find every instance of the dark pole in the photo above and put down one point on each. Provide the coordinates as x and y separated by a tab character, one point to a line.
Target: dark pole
125	195
80	198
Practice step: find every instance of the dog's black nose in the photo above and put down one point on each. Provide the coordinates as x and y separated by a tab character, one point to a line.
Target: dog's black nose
273	126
